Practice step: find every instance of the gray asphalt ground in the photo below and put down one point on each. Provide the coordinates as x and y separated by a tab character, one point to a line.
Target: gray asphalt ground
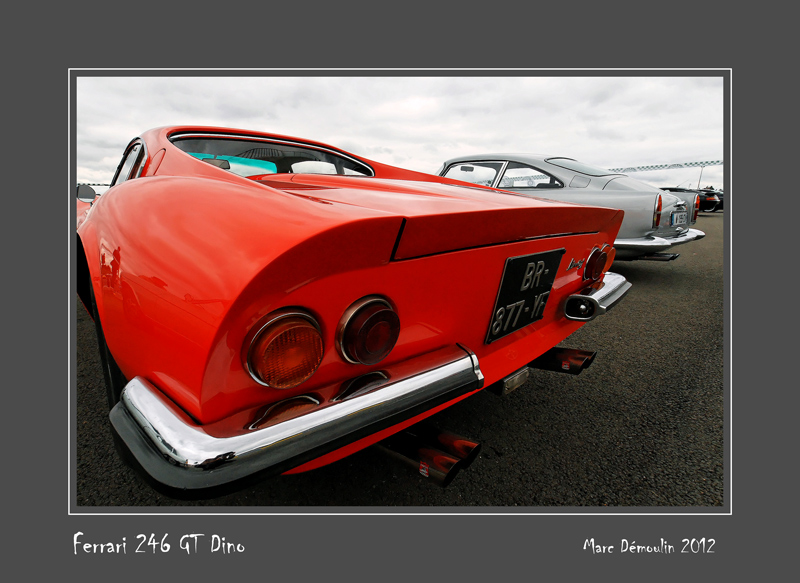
642	427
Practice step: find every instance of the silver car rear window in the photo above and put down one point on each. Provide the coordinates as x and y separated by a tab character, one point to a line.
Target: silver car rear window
576	166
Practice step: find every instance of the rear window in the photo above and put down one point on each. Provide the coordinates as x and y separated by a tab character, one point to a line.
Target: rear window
254	157
576	166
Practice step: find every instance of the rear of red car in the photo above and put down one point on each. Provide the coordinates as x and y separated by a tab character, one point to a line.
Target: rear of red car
286	321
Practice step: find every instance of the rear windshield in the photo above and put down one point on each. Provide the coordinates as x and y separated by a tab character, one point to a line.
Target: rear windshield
255	157
576	166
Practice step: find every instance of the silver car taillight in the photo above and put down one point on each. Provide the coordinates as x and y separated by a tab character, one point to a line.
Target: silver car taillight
657	212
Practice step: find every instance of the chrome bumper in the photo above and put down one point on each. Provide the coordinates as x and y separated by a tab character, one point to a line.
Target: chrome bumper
646	245
183	460
593	302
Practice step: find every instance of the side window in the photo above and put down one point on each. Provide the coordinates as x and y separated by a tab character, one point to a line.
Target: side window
313	167
130	166
482	173
521	176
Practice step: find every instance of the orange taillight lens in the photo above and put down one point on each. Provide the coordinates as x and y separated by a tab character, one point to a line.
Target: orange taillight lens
611	253
696	207
285	352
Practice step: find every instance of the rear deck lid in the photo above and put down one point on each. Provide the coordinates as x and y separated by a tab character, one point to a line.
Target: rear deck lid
441	217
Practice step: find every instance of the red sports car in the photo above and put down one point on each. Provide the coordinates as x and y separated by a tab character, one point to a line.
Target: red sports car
267	304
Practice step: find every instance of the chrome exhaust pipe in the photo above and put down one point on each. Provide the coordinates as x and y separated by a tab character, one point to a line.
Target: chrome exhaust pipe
566	360
455	445
659	257
594	301
430	462
437	455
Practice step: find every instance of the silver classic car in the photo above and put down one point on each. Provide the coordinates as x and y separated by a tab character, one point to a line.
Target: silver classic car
655	221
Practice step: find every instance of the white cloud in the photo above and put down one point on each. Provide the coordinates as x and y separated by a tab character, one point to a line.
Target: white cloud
418	121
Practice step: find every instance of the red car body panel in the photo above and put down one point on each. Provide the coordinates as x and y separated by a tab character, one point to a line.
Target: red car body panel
185	259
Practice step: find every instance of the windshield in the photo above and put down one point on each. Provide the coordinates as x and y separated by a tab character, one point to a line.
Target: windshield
256	157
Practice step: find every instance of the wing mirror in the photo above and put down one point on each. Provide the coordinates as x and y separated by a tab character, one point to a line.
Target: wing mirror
86	193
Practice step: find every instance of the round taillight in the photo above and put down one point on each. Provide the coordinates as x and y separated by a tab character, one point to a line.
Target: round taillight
657	212
286	351
611	252
368	331
596	264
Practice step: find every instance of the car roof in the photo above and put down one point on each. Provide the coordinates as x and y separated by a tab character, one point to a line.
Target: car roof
514	157
539	161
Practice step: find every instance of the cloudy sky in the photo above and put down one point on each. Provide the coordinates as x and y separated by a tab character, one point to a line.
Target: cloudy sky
417	122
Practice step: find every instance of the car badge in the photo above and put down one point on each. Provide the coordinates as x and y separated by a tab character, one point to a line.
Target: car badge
575	264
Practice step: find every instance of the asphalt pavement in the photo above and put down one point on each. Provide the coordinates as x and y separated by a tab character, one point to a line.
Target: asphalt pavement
644	426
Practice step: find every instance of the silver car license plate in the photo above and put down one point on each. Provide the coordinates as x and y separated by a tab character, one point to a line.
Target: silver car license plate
523	292
679	218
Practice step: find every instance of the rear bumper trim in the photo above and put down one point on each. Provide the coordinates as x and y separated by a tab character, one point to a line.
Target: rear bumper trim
595	301
177	454
653	244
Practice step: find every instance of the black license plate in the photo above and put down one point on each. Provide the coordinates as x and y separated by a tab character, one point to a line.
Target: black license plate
523	292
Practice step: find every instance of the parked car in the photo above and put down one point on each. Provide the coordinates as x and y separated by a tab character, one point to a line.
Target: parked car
267	304
719	193
709	200
655	222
